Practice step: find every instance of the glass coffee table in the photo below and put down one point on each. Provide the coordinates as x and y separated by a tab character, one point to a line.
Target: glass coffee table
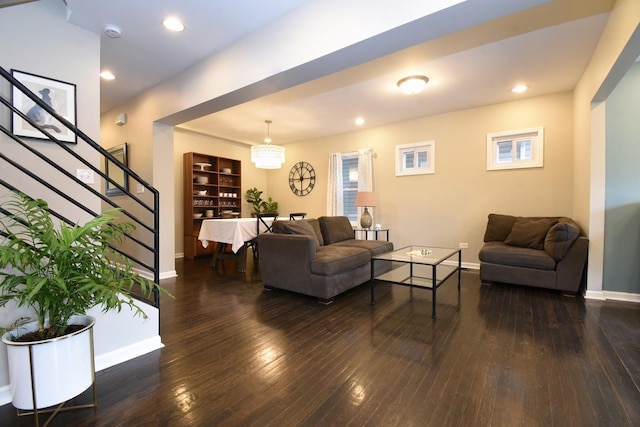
422	267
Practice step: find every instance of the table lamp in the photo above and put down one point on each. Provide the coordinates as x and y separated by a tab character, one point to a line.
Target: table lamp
365	199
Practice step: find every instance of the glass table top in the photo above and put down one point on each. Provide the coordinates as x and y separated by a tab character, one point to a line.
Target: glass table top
427	255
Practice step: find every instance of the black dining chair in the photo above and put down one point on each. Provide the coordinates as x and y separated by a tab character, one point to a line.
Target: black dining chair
297	215
262	226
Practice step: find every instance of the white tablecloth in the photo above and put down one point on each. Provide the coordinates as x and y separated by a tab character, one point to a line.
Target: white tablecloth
235	231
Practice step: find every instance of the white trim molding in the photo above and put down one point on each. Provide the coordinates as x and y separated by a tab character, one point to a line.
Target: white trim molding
515	149
613	296
417	158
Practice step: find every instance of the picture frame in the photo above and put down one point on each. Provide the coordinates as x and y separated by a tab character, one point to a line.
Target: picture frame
116	172
61	96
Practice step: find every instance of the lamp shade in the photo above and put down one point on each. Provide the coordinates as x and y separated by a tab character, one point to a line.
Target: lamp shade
267	156
366	198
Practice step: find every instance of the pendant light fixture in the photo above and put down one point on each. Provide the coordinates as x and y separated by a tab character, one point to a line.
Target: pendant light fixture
267	155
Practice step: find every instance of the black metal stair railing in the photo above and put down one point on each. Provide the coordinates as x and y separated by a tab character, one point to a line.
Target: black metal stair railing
26	165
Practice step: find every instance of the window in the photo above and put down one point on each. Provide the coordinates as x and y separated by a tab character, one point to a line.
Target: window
515	149
415	159
350	185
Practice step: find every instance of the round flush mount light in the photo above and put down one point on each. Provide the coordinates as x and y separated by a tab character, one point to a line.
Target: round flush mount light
413	84
173	24
359	121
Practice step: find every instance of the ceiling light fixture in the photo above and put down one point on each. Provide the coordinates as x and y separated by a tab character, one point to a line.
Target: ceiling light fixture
112	31
267	155
359	121
413	84
173	24
519	88
107	75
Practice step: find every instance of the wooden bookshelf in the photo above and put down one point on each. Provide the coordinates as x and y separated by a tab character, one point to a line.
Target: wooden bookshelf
221	179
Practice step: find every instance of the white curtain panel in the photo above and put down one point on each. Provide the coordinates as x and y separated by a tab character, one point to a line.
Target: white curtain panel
365	174
334	186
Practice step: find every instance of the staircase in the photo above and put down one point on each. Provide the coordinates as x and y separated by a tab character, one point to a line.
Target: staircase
61	173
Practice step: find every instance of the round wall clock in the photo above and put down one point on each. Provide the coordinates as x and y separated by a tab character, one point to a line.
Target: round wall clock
302	178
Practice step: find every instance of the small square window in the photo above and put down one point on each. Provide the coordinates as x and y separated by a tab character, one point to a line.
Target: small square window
415	159
516	149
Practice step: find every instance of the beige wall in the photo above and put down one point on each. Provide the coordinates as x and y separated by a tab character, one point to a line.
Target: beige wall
443	209
59	50
618	47
450	206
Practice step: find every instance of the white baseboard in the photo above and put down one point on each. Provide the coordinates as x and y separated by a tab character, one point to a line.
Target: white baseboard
613	296
464	265
599	295
163	274
5	395
132	351
622	296
168	274
179	255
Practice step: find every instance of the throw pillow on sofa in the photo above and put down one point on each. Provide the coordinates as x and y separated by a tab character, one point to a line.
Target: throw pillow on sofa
498	227
297	227
560	238
335	229
530	233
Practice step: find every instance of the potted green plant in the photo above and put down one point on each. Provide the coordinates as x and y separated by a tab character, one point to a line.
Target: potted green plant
59	271
254	197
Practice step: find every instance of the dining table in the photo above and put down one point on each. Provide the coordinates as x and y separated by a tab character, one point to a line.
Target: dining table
231	231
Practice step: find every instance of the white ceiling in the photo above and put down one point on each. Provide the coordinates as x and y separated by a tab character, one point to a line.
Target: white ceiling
547	49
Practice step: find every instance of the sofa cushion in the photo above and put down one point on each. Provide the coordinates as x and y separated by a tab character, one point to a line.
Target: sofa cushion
498	227
530	232
315	224
503	254
297	227
375	247
559	239
335	229
331	260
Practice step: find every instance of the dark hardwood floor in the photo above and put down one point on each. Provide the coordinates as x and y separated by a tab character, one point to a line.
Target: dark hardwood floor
495	356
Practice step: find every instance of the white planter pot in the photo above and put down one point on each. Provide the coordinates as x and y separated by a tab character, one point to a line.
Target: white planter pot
62	367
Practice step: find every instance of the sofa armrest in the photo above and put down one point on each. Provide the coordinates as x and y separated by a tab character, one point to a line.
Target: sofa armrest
570	270
285	259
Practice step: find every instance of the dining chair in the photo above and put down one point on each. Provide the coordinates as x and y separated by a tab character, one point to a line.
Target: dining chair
262	226
297	215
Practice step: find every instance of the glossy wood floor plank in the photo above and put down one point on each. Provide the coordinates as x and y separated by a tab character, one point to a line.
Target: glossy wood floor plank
237	355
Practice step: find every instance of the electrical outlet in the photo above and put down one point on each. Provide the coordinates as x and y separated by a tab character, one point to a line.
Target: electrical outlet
140	188
464	245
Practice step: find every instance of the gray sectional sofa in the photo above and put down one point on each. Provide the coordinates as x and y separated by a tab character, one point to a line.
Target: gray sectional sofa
546	252
317	257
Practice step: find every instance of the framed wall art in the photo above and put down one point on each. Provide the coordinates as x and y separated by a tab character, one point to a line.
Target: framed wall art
115	171
59	95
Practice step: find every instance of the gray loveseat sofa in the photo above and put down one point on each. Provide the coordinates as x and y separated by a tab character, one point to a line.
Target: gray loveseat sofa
317	257
546	252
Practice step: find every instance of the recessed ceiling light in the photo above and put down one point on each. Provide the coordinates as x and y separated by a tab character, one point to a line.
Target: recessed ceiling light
107	75
519	88
359	121
413	84
173	24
